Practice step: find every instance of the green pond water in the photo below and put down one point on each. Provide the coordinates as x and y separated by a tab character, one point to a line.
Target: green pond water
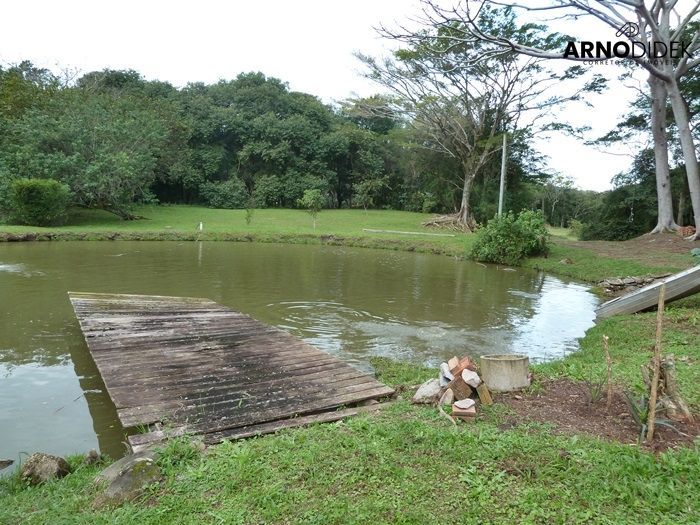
353	303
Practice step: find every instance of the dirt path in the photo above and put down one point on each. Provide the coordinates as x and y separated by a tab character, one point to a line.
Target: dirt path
654	250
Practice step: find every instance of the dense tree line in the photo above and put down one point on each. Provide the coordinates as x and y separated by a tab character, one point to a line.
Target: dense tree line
115	139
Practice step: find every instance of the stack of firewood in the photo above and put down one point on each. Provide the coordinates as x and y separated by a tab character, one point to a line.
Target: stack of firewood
459	386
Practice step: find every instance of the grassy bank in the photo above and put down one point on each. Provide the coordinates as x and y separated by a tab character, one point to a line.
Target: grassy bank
334	227
407	464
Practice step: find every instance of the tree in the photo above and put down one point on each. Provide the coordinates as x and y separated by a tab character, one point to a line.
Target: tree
313	202
653	21
24	86
459	96
104	148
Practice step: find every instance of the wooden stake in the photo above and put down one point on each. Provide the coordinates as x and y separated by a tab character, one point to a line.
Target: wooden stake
608	361
656	365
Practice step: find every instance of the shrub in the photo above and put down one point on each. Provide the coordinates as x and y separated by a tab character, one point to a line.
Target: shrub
37	202
611	229
695	252
268	191
295	185
419	201
228	194
507	239
576	227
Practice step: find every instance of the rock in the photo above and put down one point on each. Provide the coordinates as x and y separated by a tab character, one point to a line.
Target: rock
615	282
4	463
40	468
128	477
92	457
629	280
471	378
448	397
566	261
445	374
112	472
464	403
427	393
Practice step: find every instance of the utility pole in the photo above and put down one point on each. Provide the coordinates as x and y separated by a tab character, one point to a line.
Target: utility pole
503	177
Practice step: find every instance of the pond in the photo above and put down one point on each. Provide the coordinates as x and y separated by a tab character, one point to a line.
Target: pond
353	303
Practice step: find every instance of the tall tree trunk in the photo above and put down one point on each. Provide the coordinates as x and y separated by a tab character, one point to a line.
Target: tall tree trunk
681	205
464	214
680	114
664	199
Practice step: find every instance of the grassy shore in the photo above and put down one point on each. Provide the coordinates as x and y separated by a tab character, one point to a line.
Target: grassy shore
406	464
334	227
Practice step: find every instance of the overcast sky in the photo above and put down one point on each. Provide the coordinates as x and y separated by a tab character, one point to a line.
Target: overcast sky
307	43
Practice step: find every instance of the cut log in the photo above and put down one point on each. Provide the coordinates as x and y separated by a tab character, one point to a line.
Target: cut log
453	363
461	389
484	394
464	363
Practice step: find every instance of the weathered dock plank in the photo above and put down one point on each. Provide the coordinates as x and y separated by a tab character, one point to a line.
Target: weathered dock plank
199	367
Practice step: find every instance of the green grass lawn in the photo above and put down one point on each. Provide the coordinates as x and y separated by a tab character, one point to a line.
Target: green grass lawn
267	225
341	227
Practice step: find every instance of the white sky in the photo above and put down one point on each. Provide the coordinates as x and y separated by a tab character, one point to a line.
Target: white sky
307	43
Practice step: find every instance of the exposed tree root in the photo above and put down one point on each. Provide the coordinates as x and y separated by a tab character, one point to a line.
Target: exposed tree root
670	228
689	233
451	222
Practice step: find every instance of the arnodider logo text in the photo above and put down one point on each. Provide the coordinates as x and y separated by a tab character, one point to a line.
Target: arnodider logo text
652	51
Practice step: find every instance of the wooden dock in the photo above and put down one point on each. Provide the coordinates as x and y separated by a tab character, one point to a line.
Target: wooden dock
176	365
679	285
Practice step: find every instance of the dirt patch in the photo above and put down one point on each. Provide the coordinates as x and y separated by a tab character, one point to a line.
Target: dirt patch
564	403
650	249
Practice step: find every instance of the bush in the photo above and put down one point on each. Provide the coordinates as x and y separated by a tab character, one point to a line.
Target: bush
295	185
576	227
419	201
268	191
612	229
37	202
229	194
507	239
